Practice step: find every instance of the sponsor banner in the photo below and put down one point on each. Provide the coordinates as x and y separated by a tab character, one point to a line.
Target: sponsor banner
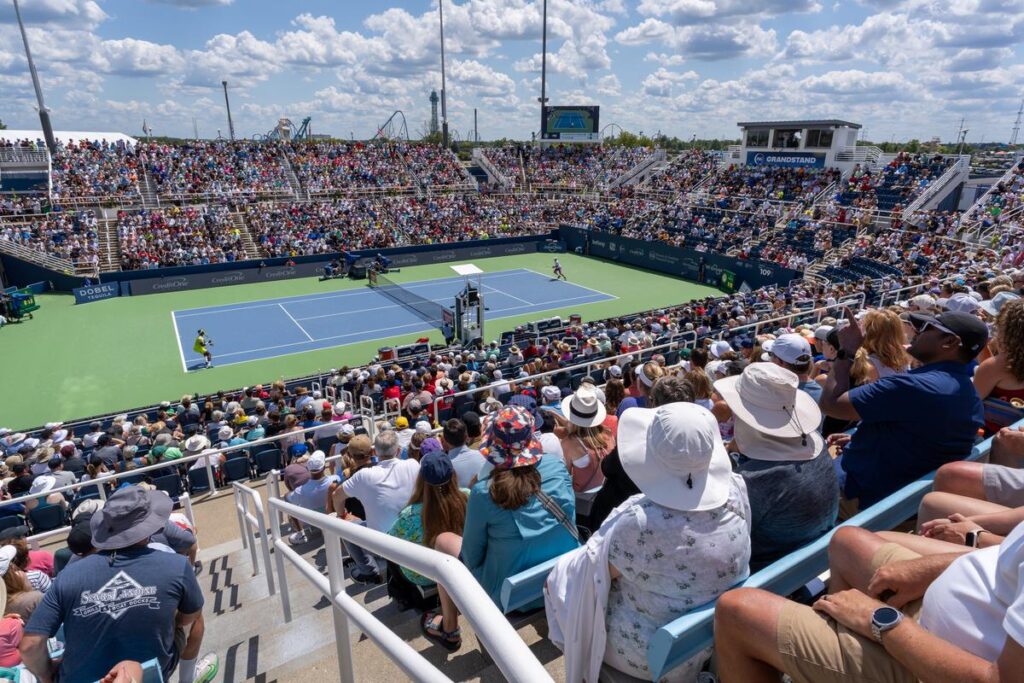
786	159
107	290
551	246
246	275
685	263
223	278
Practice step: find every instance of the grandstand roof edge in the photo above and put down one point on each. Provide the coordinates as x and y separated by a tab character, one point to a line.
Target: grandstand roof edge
68	136
800	122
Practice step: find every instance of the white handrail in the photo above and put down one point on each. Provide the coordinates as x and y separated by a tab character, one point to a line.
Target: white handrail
569	368
510	653
754	327
252	525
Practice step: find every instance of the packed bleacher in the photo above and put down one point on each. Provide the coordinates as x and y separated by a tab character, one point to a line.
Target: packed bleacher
66	234
95	170
688	465
897	184
324	167
565	167
177	236
217	167
684	172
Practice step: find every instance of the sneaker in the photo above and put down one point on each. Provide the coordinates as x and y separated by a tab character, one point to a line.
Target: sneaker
206	668
372	577
297	538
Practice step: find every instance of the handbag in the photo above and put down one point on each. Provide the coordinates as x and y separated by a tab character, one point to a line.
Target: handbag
556	510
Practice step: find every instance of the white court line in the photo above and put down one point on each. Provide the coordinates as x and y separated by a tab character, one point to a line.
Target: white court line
510	296
302	298
354	311
290	317
416	327
177	337
589	289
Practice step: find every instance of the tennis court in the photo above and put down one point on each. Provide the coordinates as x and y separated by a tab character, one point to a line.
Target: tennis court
269	328
569	120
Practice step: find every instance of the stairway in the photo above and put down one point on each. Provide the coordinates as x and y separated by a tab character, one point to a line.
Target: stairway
252	250
147	190
246	628
293	180
109	245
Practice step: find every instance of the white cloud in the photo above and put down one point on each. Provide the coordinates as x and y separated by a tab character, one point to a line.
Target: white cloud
192	4
662	82
131	57
688	12
80	14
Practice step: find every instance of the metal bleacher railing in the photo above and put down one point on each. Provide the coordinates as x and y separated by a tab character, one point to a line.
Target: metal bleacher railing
511	655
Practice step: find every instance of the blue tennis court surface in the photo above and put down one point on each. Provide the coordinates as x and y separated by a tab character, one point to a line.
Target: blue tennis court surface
569	119
256	330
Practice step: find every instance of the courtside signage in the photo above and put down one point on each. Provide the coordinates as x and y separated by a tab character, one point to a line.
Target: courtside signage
786	159
107	290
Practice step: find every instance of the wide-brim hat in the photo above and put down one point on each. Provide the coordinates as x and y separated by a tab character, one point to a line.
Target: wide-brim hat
196	444
129	517
768	397
675	456
583	408
508	440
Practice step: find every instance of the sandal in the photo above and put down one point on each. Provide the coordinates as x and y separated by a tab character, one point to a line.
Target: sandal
432	626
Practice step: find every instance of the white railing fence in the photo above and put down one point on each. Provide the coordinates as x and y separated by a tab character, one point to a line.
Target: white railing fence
511	655
252	523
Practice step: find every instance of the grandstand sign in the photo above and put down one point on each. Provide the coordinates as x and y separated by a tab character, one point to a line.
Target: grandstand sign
786	159
107	290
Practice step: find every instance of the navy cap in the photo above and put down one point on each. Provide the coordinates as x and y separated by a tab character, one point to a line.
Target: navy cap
436	468
528	402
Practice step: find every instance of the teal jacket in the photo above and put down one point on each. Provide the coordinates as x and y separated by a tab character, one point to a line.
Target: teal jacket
498	543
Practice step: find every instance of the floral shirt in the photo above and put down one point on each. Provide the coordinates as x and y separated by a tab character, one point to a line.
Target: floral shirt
671	562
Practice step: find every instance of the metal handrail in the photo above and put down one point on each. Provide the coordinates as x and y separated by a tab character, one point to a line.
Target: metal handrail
840	305
252	525
568	369
511	655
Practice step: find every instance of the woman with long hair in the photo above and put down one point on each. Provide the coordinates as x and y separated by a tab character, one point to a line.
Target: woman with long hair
1002	376
584	438
511	520
614	392
883	352
22	598
437	505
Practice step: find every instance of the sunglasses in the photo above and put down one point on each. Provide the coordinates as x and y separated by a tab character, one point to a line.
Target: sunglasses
940	328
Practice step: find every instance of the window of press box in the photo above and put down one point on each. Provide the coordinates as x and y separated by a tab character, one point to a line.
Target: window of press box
757	138
819	138
787	138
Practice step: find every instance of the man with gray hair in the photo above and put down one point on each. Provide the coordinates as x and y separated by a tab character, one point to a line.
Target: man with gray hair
383	489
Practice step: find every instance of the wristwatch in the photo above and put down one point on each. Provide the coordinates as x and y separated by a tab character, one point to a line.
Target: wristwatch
884	619
973	538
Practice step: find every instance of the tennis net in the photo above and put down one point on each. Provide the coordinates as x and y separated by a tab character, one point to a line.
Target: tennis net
429	311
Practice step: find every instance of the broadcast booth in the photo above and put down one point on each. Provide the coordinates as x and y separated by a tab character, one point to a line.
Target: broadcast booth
793	144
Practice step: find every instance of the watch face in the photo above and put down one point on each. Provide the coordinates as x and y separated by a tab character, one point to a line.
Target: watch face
885	616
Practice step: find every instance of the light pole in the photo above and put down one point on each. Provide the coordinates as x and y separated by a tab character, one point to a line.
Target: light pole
543	67
44	113
444	89
227	103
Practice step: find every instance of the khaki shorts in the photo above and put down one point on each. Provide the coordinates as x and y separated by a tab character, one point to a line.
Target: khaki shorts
816	649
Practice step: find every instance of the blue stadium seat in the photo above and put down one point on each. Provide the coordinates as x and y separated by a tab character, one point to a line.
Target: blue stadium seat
236	469
267	460
169	484
198	482
46	518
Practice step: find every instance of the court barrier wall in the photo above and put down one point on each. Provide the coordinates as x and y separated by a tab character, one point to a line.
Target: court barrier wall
20	273
705	267
270	270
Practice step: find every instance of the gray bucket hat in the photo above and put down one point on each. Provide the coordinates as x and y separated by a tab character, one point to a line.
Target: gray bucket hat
130	516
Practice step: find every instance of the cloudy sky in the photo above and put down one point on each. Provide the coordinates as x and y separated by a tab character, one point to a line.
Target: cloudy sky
903	68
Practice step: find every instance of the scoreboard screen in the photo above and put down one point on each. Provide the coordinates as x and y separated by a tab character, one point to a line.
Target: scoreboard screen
571	124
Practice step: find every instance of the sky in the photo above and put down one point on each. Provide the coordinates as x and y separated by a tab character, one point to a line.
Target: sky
902	68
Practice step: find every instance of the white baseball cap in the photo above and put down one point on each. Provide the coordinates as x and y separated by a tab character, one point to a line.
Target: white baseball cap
792	349
316	462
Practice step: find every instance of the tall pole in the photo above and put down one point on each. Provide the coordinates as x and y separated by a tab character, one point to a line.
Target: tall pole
44	113
544	67
444	89
227	103
476	131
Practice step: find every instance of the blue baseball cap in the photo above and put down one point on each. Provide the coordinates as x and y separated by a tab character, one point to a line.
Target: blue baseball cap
436	468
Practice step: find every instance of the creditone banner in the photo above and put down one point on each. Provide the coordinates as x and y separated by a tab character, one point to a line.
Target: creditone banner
250	272
787	159
223	278
107	290
705	267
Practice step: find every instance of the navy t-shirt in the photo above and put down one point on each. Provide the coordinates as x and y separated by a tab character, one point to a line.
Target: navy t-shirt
911	424
117	606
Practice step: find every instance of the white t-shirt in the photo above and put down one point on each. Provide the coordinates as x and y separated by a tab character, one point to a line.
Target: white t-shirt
384	490
979	600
